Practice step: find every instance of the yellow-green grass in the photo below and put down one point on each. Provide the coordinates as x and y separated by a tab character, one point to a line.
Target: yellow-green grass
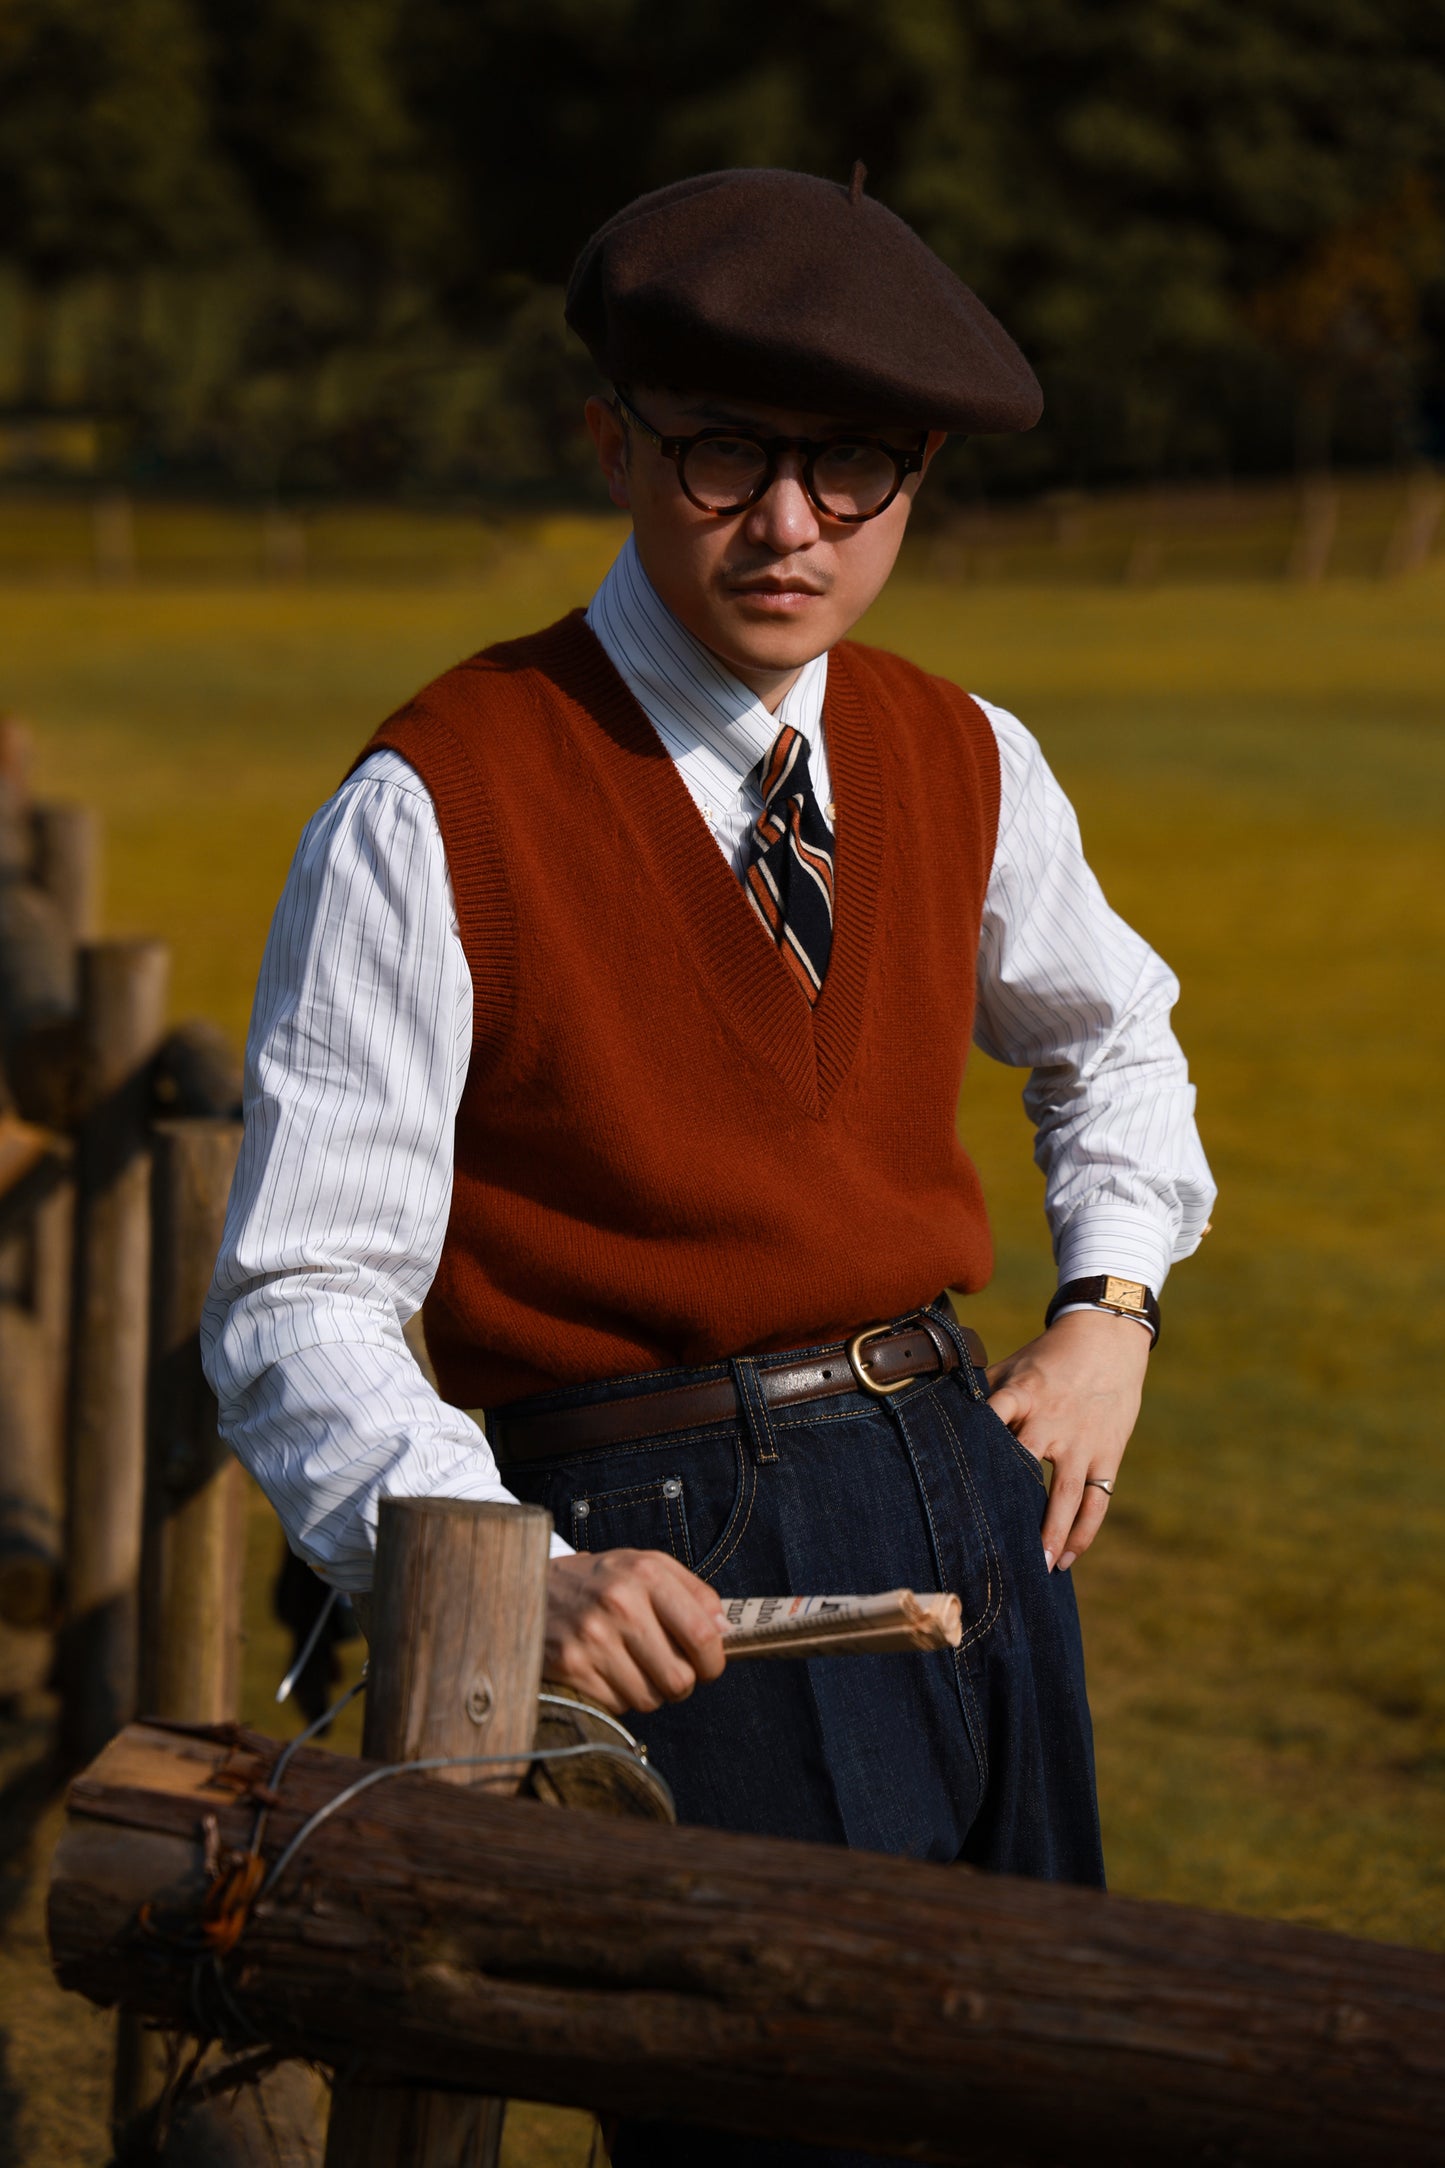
1259	774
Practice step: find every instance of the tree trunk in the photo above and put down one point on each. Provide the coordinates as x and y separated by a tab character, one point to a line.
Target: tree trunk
439	1937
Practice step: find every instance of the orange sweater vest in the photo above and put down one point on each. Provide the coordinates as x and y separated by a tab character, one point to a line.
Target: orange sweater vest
663	1155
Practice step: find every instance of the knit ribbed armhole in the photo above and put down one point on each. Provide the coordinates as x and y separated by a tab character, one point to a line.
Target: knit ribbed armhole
486	918
887	678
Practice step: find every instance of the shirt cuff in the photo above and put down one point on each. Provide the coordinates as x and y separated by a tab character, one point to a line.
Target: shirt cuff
1107	1237
354	1576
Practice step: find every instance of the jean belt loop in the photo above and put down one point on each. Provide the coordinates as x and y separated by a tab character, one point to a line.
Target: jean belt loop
753	1409
940	1315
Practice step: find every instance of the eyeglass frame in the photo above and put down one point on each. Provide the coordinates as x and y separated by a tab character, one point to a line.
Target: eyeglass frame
772	448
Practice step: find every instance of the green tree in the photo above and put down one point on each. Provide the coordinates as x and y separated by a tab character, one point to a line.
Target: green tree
106	153
1213	224
107	163
310	101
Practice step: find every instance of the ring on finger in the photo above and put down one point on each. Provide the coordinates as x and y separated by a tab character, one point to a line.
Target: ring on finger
1103	1483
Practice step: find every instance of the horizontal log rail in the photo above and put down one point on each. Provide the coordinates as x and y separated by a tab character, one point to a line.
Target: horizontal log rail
427	1932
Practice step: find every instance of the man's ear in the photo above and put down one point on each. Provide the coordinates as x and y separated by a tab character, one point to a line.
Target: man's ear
604	426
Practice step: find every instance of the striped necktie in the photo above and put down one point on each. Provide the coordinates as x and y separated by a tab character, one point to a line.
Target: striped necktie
790	862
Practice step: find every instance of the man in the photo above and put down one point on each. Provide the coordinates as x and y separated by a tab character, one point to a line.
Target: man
619	1004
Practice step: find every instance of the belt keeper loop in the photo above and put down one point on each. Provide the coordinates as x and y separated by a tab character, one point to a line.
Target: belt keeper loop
943	1320
753	1409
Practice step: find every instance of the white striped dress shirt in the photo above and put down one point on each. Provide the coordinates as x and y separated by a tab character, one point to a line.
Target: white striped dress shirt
358	1052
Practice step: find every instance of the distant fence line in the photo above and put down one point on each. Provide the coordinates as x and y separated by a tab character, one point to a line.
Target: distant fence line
1371	526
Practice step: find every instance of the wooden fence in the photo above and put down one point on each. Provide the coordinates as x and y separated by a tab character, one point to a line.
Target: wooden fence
435	1944
121	1516
118	1139
431	1939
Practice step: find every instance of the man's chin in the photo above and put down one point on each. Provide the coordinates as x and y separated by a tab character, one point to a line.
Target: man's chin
763	637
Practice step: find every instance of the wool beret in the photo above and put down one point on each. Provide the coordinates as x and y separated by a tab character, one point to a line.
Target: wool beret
799	292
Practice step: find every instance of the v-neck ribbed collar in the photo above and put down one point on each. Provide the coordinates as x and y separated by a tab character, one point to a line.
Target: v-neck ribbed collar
811	1047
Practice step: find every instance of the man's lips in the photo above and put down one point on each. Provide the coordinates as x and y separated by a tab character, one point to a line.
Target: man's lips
775	587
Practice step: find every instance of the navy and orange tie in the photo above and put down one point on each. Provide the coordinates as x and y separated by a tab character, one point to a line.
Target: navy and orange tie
790	862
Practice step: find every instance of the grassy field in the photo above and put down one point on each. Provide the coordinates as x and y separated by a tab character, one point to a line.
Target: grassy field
1259	773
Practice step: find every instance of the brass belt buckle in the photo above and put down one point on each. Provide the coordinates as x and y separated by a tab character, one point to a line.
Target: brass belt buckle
855	1363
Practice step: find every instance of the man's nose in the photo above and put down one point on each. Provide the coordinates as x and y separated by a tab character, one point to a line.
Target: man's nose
783	518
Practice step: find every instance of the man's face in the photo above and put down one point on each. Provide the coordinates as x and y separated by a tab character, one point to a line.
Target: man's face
769	587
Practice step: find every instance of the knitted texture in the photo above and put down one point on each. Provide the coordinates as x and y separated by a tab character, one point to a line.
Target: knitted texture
664	1155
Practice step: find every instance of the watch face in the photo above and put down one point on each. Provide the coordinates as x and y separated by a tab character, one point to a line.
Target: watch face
1130	1295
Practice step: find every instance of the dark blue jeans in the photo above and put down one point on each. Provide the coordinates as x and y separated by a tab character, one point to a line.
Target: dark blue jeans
984	1754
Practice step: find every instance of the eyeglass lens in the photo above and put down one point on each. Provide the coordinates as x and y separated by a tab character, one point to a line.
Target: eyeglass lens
849	479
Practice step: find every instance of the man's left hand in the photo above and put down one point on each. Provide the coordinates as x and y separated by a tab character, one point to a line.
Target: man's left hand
1071	1398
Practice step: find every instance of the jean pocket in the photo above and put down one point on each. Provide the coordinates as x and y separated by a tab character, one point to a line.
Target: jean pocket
649	1516
996	1430
724	1481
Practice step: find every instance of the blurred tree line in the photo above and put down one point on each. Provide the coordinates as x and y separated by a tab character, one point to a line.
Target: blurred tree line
310	244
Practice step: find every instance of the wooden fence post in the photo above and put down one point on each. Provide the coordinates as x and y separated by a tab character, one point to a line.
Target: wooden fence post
458	1612
1413	535
1316	525
14	760
283	545
36	988
35	1289
193	1548
123	1002
67	864
112	536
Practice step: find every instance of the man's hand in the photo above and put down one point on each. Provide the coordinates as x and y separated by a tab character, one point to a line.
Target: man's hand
1072	1398
630	1629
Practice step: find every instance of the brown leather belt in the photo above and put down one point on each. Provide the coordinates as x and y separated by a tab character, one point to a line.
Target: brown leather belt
880	1360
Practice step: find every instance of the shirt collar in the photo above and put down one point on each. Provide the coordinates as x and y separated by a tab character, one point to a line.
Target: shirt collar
687	694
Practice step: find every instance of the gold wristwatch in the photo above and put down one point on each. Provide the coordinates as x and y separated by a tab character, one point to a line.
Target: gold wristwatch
1106	1291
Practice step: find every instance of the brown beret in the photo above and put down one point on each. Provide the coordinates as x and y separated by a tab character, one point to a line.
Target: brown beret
799	292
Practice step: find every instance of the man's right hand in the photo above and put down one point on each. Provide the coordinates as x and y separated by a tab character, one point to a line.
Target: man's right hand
630	1629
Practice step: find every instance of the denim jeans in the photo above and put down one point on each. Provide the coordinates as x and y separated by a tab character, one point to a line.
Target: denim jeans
982	1754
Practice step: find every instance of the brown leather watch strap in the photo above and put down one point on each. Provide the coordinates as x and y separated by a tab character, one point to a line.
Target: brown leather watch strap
878	1361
